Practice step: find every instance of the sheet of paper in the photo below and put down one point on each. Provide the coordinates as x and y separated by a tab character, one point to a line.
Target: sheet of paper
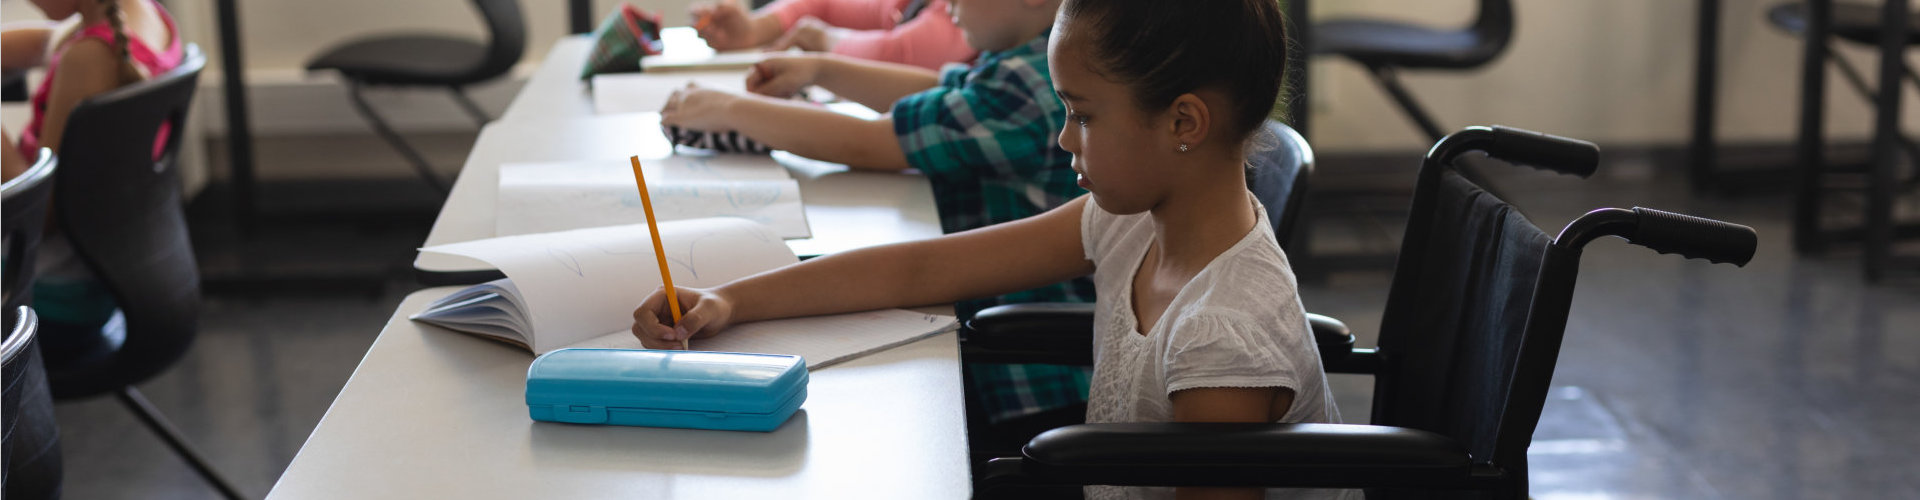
702	61
678	167
537	198
641	92
583	283
822	340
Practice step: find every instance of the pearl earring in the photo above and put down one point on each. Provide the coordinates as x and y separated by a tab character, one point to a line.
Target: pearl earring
1183	147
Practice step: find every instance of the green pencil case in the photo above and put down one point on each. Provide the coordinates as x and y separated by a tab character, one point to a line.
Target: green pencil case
682	389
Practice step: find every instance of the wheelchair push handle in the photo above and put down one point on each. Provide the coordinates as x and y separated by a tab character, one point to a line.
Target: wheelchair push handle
1694	237
1544	151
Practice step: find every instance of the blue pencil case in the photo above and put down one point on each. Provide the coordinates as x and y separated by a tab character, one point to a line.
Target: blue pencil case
684	389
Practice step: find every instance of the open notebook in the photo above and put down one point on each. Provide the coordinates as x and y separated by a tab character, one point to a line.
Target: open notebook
578	288
545	197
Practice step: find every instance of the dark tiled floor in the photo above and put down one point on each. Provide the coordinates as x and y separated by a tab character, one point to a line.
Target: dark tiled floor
1790	378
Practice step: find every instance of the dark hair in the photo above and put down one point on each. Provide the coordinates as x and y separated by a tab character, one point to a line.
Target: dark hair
1162	49
128	72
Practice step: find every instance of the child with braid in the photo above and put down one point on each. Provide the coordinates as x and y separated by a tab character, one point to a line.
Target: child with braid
92	47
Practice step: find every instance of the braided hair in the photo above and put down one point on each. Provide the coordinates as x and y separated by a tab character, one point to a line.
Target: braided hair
128	72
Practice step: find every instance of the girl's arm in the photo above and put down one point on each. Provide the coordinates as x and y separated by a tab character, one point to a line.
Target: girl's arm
1228	404
928	41
989	261
12	164
88	67
797	127
24	45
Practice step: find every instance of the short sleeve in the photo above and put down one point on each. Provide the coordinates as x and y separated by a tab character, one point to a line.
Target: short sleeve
991	122
1228	349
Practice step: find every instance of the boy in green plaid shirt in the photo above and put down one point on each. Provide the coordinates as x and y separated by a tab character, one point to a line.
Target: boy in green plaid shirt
985	135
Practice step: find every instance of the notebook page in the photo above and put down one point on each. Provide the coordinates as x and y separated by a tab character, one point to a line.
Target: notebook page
822	340
548	197
582	283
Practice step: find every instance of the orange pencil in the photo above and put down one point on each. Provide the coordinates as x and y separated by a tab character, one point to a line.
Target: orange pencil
701	24
673	299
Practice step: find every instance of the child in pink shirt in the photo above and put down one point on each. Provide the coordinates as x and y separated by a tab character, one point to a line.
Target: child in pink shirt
879	30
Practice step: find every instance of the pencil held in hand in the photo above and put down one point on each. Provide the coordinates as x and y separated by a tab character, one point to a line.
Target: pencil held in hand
659	251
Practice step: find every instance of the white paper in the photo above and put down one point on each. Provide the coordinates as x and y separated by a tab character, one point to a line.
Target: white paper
821	340
537	198
641	92
583	283
702	61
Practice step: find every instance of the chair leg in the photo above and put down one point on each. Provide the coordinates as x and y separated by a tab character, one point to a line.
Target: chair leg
393	139
1390	81
1859	83
137	403
479	117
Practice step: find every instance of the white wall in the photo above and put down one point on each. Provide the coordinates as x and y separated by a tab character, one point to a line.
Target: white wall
1612	71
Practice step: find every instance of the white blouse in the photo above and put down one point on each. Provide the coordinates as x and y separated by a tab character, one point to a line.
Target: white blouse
1238	323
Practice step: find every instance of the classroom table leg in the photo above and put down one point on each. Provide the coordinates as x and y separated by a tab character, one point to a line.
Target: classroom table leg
1886	153
239	132
1702	151
1811	147
1301	31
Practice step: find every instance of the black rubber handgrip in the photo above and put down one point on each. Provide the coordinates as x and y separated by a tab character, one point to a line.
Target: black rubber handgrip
1694	237
1547	152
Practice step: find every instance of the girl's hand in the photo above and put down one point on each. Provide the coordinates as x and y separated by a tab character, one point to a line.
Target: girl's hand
706	313
699	108
784	76
809	34
727	26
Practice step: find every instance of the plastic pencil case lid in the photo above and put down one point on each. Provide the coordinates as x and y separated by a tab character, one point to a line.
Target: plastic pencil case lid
684	389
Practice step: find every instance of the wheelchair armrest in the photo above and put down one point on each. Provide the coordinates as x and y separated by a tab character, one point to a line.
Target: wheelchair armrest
1051	333
1237	454
1337	354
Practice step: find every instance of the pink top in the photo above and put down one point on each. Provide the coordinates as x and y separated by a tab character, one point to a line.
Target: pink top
929	40
154	63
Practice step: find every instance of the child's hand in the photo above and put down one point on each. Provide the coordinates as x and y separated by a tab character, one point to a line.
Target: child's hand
784	76
809	34
726	27
706	313
698	108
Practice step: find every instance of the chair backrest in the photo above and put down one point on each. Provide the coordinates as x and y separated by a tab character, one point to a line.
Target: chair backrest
31	442
507	31
1281	166
121	210
1456	317
25	213
1494	27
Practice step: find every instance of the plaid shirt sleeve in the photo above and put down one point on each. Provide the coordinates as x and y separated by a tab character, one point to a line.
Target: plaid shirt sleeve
998	121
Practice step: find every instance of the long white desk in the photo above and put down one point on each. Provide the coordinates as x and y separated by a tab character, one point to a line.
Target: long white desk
845	209
552	119
431	413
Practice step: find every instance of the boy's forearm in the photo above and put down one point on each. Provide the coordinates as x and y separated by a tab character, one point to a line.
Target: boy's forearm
814	132
873	84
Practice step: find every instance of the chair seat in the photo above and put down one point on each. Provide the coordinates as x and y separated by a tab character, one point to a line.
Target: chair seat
1858	23
1403	45
406	60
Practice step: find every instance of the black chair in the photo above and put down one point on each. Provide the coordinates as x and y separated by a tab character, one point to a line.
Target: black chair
1471	333
25	216
1278	175
122	211
429	61
1859	24
1385	47
31	441
31	444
